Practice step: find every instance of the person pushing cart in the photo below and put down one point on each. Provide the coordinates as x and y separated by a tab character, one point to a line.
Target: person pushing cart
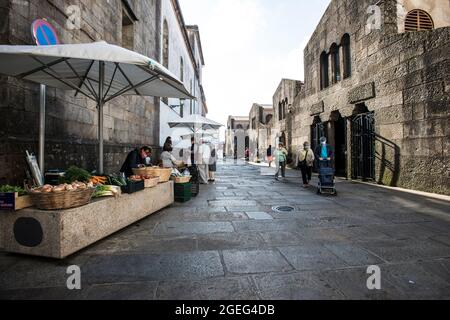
325	155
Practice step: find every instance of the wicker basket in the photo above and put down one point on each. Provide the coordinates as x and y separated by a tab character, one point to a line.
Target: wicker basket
163	173
62	200
151	183
179	180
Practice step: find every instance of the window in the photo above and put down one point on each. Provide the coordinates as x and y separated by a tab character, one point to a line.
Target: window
347	56
418	20
280	111
261	115
254	123
335	63
285	107
324	80
127	31
269	118
165	60
181	69
232	124
240	127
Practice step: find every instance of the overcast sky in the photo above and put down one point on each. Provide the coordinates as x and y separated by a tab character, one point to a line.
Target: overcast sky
249	46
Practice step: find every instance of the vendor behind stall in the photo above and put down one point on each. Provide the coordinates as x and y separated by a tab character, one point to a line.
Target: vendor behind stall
167	158
137	158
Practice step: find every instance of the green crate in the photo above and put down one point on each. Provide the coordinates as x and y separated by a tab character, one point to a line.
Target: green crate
183	199
183	190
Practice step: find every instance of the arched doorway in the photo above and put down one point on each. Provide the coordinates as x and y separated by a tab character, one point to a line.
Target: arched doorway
283	138
317	131
235	148
363	144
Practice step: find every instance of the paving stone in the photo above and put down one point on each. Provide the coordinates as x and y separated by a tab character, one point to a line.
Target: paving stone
235	288
224	241
230	203
353	255
30	272
259	216
228	216
295	286
416	282
406	250
312	257
256	261
277	238
122	291
353	285
270	225
180	228
151	267
56	293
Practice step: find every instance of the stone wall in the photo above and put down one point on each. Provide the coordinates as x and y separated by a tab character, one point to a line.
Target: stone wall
287	91
71	123
402	78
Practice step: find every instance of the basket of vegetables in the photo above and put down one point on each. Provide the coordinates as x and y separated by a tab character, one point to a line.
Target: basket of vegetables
14	198
64	196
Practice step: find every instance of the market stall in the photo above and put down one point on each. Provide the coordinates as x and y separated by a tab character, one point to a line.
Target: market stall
78	209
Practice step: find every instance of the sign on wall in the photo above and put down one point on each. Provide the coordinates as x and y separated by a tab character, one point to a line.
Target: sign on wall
44	34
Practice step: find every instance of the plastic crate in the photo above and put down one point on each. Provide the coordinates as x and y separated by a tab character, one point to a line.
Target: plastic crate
183	199
183	191
195	189
133	187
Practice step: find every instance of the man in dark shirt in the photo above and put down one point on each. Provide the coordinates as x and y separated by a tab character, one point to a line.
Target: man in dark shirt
135	159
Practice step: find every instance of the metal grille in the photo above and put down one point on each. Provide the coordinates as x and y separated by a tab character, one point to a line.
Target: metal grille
363	147
418	20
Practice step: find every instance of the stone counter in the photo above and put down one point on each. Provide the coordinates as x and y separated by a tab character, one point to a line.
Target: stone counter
60	233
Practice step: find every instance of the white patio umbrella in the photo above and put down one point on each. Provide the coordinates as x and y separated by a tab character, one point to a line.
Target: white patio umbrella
195	123
99	71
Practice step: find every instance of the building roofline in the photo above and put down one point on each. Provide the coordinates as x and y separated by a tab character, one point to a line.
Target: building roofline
180	18
196	29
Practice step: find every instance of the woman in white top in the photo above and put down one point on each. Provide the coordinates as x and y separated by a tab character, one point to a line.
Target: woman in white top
167	158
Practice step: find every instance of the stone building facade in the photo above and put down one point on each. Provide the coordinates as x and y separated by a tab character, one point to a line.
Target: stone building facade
237	136
377	85
182	54
71	123
260	118
282	122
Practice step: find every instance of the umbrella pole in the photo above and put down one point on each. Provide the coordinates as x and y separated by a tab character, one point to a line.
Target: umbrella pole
42	129
100	117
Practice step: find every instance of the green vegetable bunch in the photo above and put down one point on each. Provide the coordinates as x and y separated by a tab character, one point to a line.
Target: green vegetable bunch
8	189
76	174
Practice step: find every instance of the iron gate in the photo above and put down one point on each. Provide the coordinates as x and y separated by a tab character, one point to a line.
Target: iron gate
318	131
363	146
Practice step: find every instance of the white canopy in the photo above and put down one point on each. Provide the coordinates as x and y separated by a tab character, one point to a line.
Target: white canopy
195	123
77	67
99	71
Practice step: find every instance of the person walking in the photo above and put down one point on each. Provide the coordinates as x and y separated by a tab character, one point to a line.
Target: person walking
324	153
306	160
269	156
213	165
281	159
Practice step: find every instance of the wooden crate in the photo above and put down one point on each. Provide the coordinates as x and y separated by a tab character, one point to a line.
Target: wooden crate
17	203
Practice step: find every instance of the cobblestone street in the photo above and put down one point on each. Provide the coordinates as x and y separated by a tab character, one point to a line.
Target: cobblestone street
228	243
